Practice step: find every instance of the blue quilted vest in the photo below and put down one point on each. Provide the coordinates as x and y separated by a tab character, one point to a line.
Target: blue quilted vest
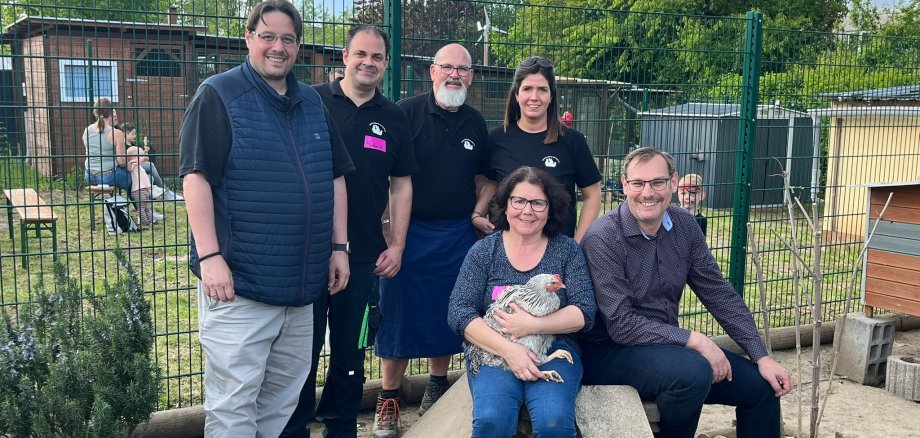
273	208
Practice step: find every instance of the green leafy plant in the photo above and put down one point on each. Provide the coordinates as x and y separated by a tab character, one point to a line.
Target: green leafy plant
77	365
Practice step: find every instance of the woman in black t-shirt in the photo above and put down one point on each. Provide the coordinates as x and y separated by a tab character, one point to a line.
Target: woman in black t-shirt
533	135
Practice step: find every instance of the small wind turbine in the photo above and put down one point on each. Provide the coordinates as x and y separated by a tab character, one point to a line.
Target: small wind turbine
486	31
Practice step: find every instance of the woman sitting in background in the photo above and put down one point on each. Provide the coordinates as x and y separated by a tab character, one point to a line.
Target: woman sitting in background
105	148
528	211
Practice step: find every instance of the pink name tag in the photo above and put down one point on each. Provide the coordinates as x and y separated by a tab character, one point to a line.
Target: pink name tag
371	142
497	291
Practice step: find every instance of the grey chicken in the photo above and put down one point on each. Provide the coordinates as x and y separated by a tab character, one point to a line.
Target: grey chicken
538	298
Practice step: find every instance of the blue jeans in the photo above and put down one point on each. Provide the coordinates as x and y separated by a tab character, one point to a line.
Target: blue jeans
118	177
498	394
679	380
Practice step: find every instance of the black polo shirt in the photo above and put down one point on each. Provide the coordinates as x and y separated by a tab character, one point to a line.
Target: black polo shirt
568	159
378	140
450	148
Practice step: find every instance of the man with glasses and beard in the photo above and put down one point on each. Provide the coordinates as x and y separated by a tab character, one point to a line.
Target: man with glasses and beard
450	147
374	131
641	255
262	168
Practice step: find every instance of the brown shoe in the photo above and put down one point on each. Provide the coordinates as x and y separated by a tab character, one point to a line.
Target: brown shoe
386	420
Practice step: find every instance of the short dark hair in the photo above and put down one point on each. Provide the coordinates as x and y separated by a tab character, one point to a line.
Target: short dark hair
559	199
127	127
644	154
527	67
358	28
258	12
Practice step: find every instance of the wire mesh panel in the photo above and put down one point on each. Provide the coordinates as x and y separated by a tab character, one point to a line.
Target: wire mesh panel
737	101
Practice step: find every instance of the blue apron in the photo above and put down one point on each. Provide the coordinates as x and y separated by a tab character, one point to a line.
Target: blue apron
413	304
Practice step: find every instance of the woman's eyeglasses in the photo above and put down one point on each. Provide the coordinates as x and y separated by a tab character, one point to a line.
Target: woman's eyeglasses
519	203
542	62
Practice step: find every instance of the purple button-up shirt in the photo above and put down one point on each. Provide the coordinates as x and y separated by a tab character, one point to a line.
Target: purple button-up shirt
639	279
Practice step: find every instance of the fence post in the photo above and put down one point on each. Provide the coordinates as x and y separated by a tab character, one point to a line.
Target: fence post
392	19
741	207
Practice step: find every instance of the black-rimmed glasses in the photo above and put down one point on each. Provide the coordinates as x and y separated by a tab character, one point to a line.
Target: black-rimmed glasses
519	203
447	69
270	38
542	62
637	185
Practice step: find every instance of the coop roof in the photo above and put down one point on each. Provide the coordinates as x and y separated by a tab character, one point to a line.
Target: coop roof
902	92
719	110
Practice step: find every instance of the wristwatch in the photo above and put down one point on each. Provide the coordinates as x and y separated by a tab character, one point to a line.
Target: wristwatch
342	247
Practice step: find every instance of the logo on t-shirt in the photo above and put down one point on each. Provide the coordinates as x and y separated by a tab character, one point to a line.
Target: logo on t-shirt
377	129
550	161
468	144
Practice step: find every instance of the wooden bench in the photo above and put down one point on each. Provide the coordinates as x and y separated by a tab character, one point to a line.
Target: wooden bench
97	194
33	214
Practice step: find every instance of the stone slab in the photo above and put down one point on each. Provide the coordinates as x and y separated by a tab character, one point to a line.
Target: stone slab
450	417
600	411
611	411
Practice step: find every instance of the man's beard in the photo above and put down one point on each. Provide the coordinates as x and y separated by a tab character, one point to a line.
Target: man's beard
449	97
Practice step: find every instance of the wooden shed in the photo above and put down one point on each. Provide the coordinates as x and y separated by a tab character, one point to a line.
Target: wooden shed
872	139
891	269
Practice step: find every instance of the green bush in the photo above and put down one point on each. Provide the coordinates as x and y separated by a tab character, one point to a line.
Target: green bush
77	365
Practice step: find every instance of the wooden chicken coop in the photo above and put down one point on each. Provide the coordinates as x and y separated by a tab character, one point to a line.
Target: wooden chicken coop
891	269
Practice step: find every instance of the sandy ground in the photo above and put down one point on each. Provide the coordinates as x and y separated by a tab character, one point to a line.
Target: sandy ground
853	410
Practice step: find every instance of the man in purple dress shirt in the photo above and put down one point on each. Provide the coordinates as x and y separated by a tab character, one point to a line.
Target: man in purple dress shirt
641	255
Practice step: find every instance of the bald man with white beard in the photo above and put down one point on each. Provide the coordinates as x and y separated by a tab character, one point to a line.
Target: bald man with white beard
451	192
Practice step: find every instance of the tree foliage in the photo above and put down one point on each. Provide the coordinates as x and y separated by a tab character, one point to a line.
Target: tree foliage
662	42
428	25
76	365
113	10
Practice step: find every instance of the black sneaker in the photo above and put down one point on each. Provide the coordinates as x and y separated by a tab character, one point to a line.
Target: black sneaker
386	420
433	392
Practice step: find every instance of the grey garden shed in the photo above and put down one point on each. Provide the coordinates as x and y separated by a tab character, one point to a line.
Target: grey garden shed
703	137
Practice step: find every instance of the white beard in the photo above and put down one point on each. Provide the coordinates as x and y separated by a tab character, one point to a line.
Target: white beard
451	98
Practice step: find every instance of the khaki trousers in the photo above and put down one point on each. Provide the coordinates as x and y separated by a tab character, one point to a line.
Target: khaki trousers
257	360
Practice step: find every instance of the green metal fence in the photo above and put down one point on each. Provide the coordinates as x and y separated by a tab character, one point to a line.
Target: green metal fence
733	99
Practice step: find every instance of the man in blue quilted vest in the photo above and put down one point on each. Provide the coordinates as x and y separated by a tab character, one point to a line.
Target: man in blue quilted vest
262	168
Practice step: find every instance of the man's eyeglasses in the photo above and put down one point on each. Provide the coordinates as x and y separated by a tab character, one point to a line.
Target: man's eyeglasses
447	69
542	62
270	38
637	185
520	203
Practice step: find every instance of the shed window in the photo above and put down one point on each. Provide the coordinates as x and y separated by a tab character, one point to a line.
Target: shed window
157	62
74	75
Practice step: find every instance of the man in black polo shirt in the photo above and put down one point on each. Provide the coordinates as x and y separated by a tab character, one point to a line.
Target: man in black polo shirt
374	131
451	150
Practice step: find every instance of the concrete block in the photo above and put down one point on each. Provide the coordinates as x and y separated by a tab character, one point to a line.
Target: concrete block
864	345
611	411
903	378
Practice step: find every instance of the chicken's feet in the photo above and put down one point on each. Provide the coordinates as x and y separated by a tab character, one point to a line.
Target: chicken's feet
560	354
552	376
